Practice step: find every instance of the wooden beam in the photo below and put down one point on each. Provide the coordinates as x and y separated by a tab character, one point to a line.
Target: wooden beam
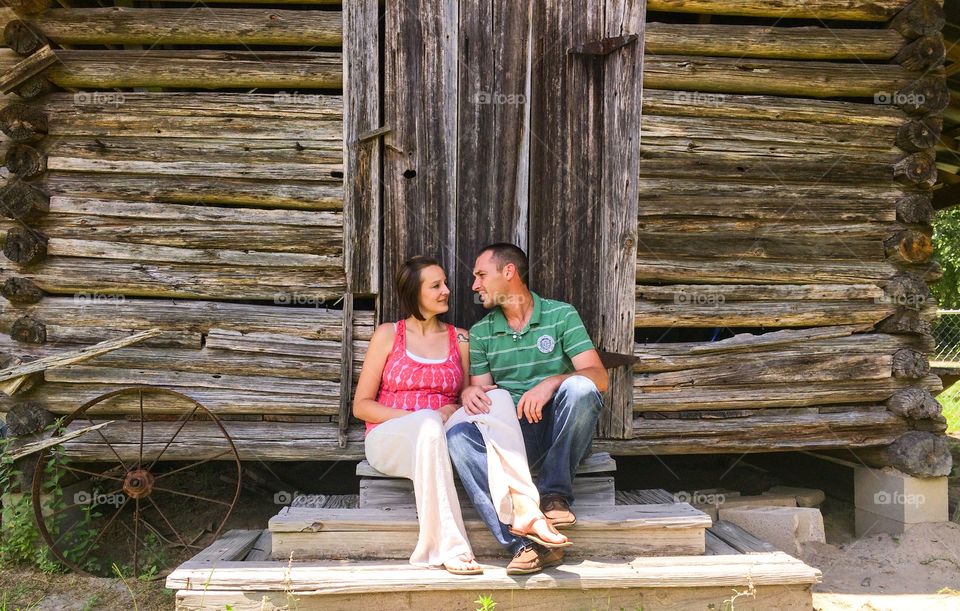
190	26
198	69
853	10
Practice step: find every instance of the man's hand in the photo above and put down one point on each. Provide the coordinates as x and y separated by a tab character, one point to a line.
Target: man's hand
532	402
447	410
475	399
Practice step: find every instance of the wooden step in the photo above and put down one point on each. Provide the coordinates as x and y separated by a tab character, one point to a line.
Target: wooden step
622	530
774	581
592	486
383	493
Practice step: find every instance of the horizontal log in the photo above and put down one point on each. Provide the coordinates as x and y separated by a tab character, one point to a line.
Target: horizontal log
880	10
777	201
909	246
915	208
24	160
918	170
65	397
199	227
680	293
843	339
121	251
916	453
247	116
23	203
303	195
827	167
161	354
854	428
189	26
71	275
725	40
914	403
96	310
924	52
745	396
919	134
199	440
20	291
293	160
775	137
23	123
694	103
713	271
28	330
24	246
197	69
700	309
774	77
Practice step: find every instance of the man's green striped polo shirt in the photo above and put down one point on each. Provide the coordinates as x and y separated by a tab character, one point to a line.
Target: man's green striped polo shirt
521	360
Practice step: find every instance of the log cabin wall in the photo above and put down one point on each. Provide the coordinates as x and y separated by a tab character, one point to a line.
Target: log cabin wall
785	175
182	168
784	179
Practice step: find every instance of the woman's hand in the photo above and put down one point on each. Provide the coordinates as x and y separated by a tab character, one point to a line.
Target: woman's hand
447	410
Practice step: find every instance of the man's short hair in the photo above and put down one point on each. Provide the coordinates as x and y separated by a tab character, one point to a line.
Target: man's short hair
408	284
504	253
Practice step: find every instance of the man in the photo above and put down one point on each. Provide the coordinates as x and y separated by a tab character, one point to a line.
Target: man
539	351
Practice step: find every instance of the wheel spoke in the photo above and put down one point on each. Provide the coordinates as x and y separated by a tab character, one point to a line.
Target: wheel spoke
91	473
192	496
182	424
167	522
199	462
62	509
104	437
105	527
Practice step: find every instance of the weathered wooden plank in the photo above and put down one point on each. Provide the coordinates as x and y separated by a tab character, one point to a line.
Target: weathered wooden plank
317	159
694	103
232	545
566	158
619	200
739	539
493	136
421	94
346	370
784	202
96	310
719	271
706	307
71	275
362	160
774	76
808	42
787	394
300	194
196	69
880	10
193	227
189	26
766	433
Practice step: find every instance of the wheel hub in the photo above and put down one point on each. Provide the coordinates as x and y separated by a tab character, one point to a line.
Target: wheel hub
138	483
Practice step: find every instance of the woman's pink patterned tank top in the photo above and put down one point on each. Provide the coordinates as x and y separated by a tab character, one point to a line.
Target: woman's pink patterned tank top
411	385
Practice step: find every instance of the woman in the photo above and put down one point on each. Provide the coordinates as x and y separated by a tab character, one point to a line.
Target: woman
408	389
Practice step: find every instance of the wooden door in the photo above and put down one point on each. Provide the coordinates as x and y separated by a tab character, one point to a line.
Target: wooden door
518	121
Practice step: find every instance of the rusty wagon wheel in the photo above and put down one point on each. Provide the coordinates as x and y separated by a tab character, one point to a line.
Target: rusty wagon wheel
130	513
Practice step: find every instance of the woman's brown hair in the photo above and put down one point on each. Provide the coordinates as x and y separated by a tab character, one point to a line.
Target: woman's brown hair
408	284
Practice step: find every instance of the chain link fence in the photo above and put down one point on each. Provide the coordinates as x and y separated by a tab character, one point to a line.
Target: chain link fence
946	332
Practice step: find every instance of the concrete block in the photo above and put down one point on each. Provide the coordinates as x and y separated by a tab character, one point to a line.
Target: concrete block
784	527
900	497
805	497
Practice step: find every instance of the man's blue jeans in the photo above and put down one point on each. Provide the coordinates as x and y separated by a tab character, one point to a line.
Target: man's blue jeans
556	445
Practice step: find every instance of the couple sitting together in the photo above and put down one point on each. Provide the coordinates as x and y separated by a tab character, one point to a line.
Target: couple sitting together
521	390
